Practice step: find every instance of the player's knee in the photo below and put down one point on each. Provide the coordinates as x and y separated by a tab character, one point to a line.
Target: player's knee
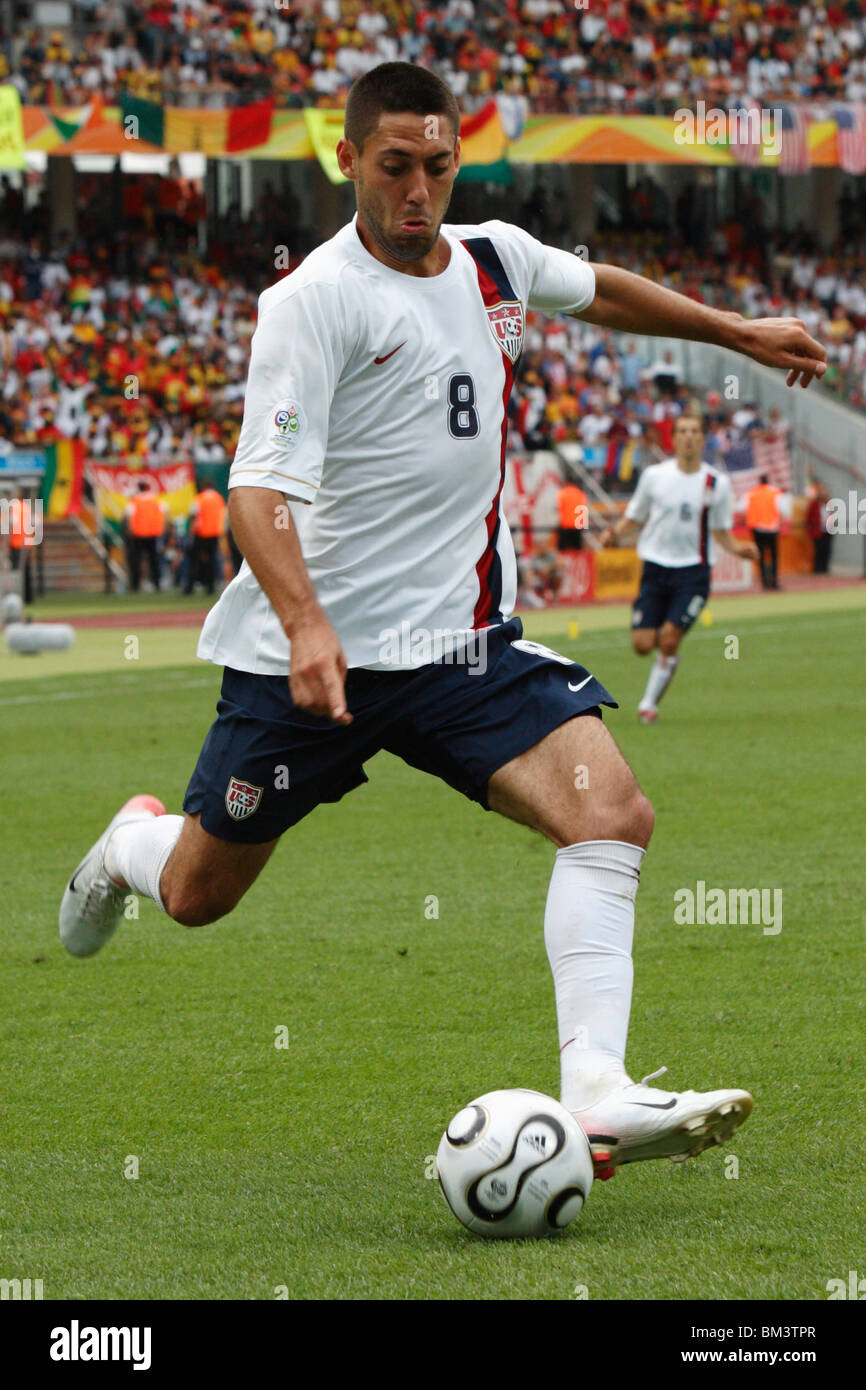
629	818
640	818
669	641
643	641
194	906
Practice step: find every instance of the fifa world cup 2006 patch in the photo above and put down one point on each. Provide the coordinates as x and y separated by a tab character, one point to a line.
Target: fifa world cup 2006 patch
288	424
242	798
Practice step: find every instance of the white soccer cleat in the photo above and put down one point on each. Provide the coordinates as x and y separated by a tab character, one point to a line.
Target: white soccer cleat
648	716
92	905
637	1121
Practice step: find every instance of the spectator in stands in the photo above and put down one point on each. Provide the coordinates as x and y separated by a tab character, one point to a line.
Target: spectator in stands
763	519
22	539
666	375
816	528
573	515
145	519
207	523
638	57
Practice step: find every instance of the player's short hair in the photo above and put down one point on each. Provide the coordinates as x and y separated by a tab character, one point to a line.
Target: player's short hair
396	87
692	415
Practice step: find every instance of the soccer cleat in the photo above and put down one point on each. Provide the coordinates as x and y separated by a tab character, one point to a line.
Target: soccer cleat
648	716
92	905
637	1121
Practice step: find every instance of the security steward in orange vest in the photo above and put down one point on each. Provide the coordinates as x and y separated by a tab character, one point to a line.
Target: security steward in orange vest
21	541
762	519
572	517
145	523
207	523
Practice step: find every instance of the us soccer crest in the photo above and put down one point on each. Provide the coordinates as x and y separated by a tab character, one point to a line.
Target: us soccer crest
506	325
242	798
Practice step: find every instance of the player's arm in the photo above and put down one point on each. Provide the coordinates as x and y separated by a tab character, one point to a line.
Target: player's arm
295	362
635	515
745	549
265	532
633	304
625	530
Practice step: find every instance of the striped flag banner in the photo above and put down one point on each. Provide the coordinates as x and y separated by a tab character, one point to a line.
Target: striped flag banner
747	462
181	129
620	459
794	154
63	478
850	118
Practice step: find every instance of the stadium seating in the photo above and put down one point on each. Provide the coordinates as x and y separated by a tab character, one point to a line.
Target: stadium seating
645	56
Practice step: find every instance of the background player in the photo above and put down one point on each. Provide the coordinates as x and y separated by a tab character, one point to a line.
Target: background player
680	506
377	394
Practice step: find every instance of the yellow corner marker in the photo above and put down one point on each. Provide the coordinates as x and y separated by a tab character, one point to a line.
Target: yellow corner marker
573	629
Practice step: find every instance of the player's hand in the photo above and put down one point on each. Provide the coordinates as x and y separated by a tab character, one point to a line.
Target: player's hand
784	342
608	538
747	550
317	669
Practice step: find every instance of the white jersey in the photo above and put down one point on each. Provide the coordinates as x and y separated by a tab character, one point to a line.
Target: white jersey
380	399
679	511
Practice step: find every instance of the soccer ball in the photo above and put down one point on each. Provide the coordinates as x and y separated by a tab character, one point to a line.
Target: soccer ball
514	1163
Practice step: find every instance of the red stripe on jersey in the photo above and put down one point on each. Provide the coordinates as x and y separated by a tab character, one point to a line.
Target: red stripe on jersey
704	525
491	295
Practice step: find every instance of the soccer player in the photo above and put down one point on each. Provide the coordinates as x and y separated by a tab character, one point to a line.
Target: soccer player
680	506
376	404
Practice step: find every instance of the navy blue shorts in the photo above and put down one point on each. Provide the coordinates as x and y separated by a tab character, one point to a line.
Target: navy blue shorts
266	763
670	595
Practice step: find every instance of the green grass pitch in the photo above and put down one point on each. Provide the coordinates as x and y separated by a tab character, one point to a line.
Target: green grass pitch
307	1167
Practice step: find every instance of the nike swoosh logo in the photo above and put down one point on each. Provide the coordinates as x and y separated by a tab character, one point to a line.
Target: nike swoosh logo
380	360
650	1105
582	684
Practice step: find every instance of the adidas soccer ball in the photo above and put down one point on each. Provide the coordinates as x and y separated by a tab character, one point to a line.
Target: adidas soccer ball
514	1163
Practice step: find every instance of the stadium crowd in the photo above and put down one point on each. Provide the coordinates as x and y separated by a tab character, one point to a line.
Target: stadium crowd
642	56
142	352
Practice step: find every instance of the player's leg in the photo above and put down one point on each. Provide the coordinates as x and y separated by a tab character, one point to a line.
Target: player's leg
194	877
685	595
644	640
577	789
516	733
264	766
601	823
647	617
668	640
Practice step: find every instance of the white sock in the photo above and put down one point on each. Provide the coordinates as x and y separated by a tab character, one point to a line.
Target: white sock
660	678
138	853
588	931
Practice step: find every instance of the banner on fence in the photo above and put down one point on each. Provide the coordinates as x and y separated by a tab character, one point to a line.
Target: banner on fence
115	484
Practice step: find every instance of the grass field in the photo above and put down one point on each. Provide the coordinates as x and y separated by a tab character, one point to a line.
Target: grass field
306	1166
